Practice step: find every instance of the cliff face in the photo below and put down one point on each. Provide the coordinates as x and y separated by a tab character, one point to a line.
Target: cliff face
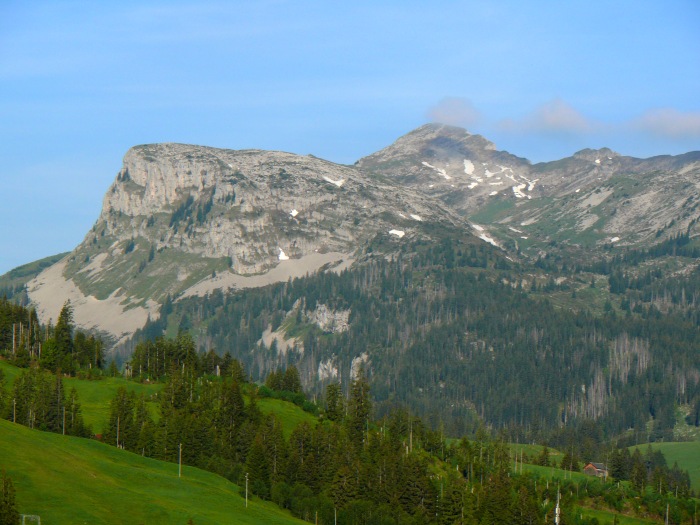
182	219
254	207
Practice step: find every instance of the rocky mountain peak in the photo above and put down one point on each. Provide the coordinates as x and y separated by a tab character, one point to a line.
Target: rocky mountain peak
184	220
431	141
596	155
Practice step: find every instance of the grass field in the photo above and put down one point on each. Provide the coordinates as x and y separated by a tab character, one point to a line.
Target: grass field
554	474
69	480
94	395
607	517
288	413
532	451
687	454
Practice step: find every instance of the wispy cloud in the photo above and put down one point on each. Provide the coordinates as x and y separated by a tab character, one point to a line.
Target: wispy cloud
553	117
669	123
456	111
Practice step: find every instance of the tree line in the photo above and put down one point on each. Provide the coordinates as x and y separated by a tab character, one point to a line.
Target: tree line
349	467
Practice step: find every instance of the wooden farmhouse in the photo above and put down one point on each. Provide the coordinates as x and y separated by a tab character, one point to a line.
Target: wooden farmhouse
598	470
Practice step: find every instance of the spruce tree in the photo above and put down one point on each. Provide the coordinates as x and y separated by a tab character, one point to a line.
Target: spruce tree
359	409
258	469
291	381
9	515
63	335
75	426
334	402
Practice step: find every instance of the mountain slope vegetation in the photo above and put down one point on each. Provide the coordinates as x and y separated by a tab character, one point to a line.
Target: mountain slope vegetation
72	480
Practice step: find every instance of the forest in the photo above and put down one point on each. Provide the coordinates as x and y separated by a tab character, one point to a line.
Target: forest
345	465
464	337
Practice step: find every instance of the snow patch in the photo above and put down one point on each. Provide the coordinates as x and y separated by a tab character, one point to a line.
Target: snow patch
283	256
468	167
416	217
493	193
488	239
398	233
518	191
441	171
338	183
614	239
514	229
294	213
597	161
477	227
473	185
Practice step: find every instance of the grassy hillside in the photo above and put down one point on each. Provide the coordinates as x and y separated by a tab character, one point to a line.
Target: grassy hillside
607	517
288	413
96	395
687	454
69	480
604	516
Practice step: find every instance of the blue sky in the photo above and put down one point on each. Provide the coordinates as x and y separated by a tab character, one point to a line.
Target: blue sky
81	82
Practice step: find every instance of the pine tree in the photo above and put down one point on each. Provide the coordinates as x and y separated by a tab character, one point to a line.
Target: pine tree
258	469
343	487
543	457
291	381
75	425
4	396
63	335
120	430
334	402
9	515
53	420
452	504
359	409
638	475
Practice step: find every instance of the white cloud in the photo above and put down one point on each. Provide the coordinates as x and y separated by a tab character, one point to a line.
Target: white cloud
668	122
556	116
456	111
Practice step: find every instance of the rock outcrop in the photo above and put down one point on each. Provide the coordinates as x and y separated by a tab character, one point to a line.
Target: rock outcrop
184	220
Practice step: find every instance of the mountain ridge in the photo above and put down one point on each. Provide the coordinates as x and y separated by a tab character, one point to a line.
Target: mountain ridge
184	219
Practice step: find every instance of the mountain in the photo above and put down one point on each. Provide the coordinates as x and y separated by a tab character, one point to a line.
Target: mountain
184	220
472	285
593	198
